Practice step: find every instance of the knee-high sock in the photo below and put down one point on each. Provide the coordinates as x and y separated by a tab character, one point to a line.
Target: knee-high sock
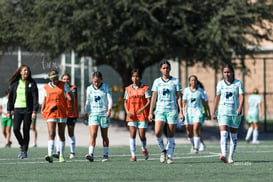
249	133
143	144
196	142
160	143
91	150
61	147
255	135
72	144
133	146
223	142
50	147
105	151
233	144
171	146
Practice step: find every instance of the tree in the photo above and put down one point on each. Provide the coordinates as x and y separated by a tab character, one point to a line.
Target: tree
138	33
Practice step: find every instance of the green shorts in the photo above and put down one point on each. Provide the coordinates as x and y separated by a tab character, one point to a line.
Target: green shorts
6	122
253	117
231	121
102	121
33	121
190	119
138	124
167	117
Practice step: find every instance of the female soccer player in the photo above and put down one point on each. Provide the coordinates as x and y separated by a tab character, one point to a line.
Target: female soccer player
98	107
23	102
167	97
137	100
72	118
5	121
254	111
228	103
54	111
193	98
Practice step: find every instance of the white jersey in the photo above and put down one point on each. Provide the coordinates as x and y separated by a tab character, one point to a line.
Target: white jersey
166	93
194	100
4	104
97	100
229	97
254	101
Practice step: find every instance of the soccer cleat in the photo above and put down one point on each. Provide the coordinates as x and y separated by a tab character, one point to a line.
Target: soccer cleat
146	154
34	145
56	155
133	159
230	160
169	160
105	158
202	147
49	158
247	140
72	156
89	157
256	142
61	158
163	156
195	151
223	159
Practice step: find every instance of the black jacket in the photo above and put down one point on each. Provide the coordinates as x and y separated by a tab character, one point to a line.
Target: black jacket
31	96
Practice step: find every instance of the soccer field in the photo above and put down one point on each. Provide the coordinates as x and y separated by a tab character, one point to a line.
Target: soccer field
253	163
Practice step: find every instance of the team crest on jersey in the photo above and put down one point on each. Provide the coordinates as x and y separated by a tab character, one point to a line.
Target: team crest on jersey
97	98
166	91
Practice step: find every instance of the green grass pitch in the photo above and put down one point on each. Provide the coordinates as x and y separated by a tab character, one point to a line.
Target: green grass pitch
253	163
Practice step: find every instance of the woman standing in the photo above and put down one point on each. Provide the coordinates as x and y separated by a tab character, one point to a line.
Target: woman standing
254	111
72	118
54	111
193	99
23	102
137	100
98	111
167	97
5	121
228	103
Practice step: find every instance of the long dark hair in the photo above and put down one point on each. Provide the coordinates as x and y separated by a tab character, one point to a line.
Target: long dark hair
17	75
165	62
230	67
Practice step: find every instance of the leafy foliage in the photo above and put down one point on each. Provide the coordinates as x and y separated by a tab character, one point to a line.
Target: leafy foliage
138	33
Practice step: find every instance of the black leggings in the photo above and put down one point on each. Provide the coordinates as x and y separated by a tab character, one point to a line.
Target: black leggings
20	114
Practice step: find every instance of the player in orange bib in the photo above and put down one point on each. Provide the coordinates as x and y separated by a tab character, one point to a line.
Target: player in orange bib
136	102
54	111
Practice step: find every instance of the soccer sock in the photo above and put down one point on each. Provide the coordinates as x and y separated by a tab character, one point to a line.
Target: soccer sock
255	135
143	144
133	146
196	142
105	151
58	146
61	147
160	143
50	147
171	146
223	142
91	149
233	144
72	144
249	132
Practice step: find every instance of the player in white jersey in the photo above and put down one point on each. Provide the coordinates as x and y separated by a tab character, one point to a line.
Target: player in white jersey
193	99
98	107
254	111
167	98
229	103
